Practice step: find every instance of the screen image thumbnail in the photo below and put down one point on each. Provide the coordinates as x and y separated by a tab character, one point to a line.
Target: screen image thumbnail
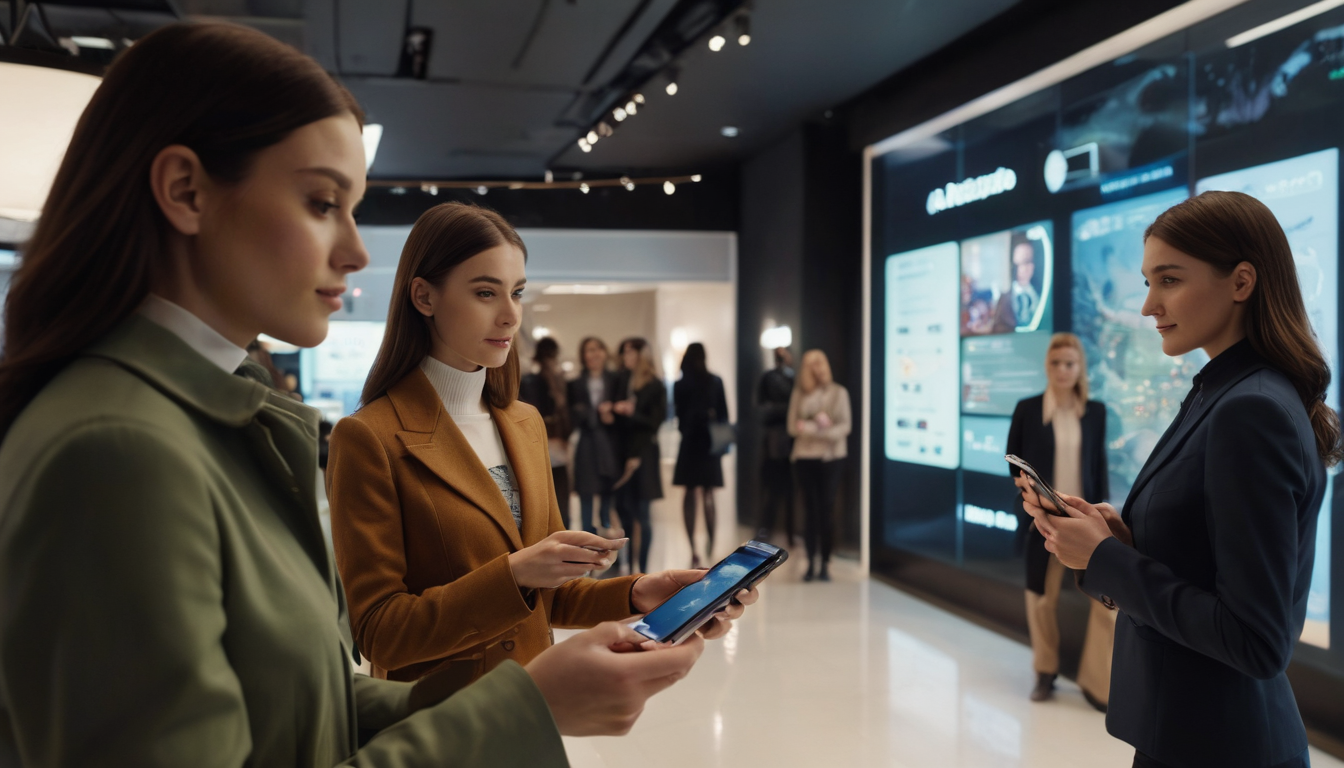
1126	368
1006	281
922	418
1303	194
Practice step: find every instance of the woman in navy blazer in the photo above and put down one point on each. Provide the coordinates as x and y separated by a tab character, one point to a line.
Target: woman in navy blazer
1211	560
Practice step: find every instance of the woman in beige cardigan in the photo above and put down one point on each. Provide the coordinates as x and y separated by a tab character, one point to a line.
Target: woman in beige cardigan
819	421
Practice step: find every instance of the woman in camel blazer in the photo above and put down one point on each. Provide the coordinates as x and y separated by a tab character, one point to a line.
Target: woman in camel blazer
444	517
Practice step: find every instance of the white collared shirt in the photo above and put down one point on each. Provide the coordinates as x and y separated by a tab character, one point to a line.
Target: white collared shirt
191	329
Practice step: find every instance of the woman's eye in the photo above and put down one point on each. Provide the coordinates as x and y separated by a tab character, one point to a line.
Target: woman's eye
485	294
518	294
323	207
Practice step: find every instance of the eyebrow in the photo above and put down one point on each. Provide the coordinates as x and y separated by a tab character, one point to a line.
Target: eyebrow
495	281
341	179
1162	268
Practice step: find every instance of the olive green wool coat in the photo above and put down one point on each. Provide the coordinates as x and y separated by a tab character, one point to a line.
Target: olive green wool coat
167	597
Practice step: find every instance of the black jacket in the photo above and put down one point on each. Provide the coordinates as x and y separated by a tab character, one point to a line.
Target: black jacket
596	463
1213	594
1029	439
639	435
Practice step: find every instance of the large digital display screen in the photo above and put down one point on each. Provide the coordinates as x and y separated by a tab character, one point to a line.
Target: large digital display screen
332	374
1093	159
921	355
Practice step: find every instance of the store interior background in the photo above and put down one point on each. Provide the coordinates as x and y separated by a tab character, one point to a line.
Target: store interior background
773	234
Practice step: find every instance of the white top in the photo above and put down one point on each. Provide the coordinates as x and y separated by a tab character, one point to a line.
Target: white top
811	440
461	393
191	329
1068	429
596	389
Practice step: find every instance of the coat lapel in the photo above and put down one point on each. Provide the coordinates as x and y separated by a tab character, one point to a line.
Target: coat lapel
436	442
529	470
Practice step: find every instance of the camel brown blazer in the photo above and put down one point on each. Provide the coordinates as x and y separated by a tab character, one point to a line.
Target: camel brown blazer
422	537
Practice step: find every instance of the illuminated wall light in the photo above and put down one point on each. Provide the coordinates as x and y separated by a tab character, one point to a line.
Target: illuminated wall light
681	339
779	336
619	114
669	187
592	137
584	145
583	188
717	42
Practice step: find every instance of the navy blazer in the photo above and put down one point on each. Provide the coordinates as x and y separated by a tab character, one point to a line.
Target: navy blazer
1034	441
1213	594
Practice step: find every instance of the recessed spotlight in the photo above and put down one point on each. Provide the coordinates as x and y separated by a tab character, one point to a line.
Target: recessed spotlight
669	187
729	130
717	42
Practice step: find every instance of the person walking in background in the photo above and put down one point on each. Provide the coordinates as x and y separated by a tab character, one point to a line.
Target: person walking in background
544	389
1210	563
819	421
772	401
591	397
640	408
1063	435
699	400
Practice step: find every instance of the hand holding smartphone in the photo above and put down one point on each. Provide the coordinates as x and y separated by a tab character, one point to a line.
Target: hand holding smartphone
1042	488
693	605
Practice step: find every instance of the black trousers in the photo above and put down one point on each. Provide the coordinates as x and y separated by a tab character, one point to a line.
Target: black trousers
777	493
820	480
1301	761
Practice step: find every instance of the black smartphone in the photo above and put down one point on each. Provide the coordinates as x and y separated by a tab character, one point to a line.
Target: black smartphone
694	604
1043	488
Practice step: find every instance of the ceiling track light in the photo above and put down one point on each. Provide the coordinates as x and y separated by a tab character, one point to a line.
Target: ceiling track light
638	98
592	137
573	180
743	25
583	188
619	113
631	107
604	129
584	145
717	42
673	74
669	187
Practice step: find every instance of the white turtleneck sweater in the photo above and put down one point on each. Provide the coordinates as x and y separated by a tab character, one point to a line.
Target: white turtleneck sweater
461	393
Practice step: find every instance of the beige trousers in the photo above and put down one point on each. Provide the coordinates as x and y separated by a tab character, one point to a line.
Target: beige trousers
1094	668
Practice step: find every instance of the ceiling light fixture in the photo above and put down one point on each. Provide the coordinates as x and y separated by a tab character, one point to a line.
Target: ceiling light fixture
743	23
671	89
584	145
1283	22
669	187
604	129
583	188
696	178
631	107
673	75
717	42
638	98
592	137
729	130
619	113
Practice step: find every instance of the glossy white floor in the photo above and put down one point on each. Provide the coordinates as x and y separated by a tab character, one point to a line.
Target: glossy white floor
853	673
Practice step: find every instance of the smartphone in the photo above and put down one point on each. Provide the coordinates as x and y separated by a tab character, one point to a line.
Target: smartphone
694	604
1043	488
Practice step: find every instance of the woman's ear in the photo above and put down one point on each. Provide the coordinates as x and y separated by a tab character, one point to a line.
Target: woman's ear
176	177
1244	279
423	296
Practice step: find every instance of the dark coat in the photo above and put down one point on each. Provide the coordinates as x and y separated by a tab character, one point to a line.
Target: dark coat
1213	594
596	463
698	401
1029	439
772	403
639	435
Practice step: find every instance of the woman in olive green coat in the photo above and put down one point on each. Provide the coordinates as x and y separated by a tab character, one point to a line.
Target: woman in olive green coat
166	594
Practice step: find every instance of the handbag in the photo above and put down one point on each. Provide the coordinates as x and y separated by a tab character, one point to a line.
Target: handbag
721	437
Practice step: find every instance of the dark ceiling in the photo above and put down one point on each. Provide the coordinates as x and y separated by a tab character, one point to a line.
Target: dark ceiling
510	85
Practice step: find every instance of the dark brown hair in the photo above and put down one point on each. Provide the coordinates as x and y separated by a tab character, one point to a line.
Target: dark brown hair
583	350
224	91
443	237
1225	229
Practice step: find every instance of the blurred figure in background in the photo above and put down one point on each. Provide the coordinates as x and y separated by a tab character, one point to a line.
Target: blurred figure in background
641	407
772	400
819	420
1063	435
544	389
591	397
699	400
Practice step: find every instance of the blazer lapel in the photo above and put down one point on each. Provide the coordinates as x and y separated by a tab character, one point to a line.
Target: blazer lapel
435	441
529	471
1175	437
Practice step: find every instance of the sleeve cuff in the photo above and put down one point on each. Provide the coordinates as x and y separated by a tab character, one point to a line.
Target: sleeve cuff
1103	577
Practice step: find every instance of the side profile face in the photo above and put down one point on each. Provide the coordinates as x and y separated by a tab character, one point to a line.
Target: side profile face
475	311
594	357
1063	366
1194	306
270	253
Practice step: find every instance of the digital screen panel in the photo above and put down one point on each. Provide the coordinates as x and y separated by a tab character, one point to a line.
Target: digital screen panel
921	357
984	441
1006	281
998	371
1303	193
332	374
1126	368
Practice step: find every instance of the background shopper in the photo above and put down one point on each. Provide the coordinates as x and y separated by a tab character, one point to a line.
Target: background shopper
772	402
1210	563
641	408
591	397
699	401
1063	435
544	389
820	422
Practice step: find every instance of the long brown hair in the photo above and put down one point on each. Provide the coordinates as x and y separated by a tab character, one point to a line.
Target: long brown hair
224	91
1069	341
443	237
1226	228
647	368
807	379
